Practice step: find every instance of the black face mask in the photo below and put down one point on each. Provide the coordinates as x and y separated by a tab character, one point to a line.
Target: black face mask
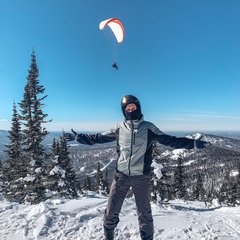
133	115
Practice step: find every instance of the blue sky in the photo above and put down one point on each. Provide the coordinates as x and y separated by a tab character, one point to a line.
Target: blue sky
181	59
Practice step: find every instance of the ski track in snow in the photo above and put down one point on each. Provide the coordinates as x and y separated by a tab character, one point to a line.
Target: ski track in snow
82	220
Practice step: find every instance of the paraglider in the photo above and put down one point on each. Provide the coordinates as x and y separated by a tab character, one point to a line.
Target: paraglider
114	65
118	31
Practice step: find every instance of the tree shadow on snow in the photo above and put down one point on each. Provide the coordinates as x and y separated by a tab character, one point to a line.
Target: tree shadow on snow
185	208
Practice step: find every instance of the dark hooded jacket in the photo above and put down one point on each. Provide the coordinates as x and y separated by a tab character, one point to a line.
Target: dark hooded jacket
134	138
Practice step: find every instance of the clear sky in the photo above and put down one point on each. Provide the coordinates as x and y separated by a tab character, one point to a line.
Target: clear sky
181	58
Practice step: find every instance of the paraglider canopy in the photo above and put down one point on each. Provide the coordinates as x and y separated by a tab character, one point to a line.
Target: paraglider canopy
116	27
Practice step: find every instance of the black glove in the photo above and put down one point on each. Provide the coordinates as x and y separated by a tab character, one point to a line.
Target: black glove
201	144
70	136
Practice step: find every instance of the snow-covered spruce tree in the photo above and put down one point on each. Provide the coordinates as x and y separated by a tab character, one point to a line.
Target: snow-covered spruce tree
78	188
106	186
87	185
228	191
66	164
32	118
61	177
179	186
199	192
159	179
52	190
155	190
15	170
155	180
238	184
164	184
99	184
1	179
55	148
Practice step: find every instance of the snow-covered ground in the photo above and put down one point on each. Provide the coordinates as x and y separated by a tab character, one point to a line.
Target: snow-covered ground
82	220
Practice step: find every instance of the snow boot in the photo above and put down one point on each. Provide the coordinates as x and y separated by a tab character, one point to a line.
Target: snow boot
144	237
108	234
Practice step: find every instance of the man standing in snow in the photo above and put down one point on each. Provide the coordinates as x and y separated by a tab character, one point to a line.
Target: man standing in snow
134	138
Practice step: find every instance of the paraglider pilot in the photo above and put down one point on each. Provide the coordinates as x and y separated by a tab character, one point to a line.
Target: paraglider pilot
114	65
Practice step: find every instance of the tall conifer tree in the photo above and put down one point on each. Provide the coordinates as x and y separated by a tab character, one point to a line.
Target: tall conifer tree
65	163
179	186
32	117
16	164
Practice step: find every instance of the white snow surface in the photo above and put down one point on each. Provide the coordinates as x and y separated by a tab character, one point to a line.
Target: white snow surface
81	219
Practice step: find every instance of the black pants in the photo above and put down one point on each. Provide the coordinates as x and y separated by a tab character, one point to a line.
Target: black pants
141	187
